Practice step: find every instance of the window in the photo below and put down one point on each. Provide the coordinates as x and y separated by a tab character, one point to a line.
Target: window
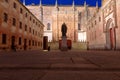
20	25
30	18
95	34
20	41
29	42
30	30
14	22
33	21
25	27
79	28
36	43
33	43
21	10
95	22
14	5
109	7
48	26
5	17
33	31
4	38
100	19
6	1
79	15
26	15
89	27
92	24
36	23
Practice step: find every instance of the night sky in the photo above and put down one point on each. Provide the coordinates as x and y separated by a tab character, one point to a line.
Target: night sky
63	2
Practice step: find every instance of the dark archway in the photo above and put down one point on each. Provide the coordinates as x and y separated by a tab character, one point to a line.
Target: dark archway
13	43
110	35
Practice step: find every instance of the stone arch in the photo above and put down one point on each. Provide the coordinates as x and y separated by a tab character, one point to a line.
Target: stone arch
48	26
110	35
108	24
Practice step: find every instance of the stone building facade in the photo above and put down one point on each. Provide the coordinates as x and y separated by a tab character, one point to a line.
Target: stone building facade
19	28
53	16
103	28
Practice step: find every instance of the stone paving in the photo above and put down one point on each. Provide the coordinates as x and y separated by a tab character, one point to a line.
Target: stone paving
57	65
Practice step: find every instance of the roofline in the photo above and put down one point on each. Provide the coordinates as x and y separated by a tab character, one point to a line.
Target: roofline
60	5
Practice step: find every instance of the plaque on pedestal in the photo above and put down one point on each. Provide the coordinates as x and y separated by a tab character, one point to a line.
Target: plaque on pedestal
64	44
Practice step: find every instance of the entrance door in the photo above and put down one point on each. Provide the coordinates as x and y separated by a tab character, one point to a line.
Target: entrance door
110	35
111	39
12	42
45	42
25	44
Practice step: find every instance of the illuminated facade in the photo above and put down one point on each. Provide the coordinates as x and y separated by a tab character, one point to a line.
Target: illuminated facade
19	28
103	28
53	16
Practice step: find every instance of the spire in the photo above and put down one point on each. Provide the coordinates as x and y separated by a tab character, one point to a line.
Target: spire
96	4
56	3
85	3
23	2
86	10
73	3
40	3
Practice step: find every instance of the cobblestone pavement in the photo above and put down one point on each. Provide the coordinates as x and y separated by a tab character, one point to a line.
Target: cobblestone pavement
57	65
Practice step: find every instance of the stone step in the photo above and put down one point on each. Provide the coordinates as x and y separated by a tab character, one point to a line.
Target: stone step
77	67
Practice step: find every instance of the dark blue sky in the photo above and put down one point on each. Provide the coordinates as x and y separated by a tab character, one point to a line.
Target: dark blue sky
63	2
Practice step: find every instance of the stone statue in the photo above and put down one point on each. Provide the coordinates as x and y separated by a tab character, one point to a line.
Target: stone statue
64	30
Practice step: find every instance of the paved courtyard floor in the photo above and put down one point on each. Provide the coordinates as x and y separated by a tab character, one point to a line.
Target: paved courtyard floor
57	65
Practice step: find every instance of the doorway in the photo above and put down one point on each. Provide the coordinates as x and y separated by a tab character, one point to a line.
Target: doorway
110	35
25	44
13	42
111	38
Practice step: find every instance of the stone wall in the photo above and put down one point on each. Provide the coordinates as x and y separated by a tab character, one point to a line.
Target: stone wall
118	24
57	15
31	28
105	34
75	45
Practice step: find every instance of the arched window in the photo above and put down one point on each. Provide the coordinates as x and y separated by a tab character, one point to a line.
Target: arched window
79	28
48	26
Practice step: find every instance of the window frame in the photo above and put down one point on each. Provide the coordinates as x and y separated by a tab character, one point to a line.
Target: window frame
14	22
14	5
21	10
5	17
48	26
20	25
20	41
4	39
79	27
26	14
25	27
6	1
30	29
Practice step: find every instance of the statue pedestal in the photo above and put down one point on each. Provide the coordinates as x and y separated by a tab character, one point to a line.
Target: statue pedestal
64	44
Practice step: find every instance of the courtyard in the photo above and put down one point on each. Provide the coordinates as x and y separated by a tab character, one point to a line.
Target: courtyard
58	65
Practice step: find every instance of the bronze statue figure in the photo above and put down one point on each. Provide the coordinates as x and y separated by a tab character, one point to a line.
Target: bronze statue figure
64	30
